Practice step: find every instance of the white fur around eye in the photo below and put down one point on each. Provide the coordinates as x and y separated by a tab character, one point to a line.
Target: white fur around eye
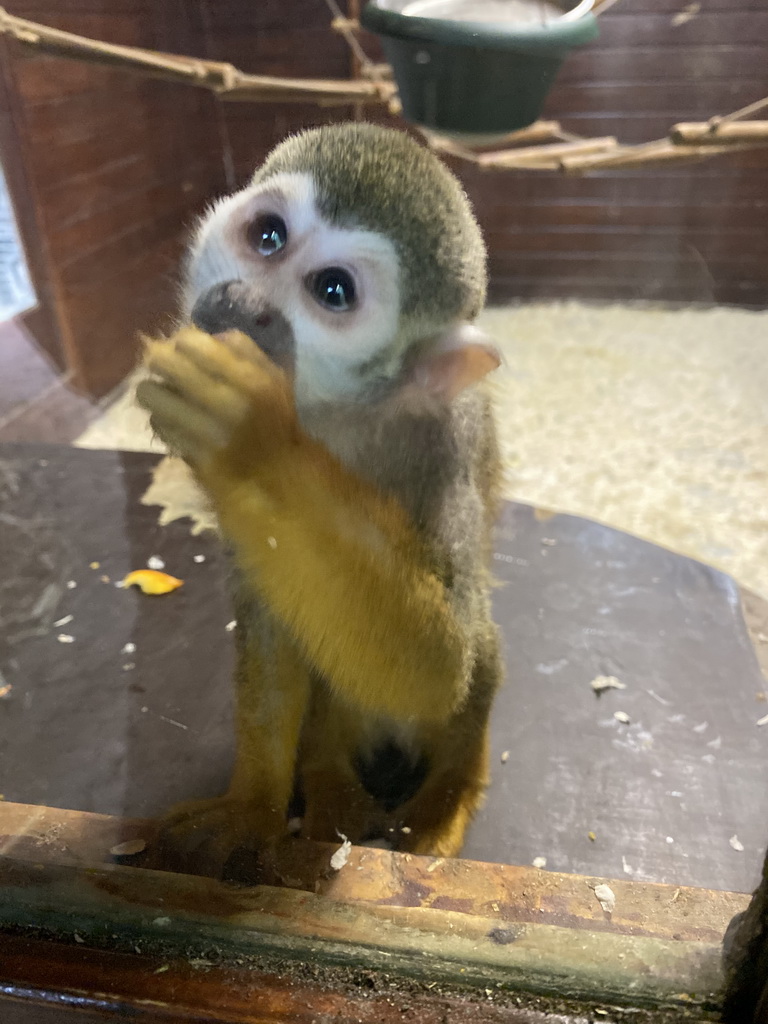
331	347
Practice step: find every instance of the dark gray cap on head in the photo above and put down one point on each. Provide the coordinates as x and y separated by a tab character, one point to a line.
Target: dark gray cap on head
380	179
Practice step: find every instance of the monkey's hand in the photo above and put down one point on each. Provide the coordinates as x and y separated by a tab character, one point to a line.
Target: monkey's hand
220	403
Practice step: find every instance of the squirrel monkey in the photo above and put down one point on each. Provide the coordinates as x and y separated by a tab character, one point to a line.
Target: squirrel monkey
328	399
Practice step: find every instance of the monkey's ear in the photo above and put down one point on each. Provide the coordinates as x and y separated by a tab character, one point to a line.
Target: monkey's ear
457	359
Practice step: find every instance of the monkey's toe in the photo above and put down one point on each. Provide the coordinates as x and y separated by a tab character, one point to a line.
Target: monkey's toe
201	836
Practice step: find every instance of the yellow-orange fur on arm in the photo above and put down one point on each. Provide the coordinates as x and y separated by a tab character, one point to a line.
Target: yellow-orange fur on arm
341	566
334	559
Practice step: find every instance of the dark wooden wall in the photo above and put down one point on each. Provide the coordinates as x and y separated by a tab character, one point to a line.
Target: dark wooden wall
273	37
698	232
117	167
694	233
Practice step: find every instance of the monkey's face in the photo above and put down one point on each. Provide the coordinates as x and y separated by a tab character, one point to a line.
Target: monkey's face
321	300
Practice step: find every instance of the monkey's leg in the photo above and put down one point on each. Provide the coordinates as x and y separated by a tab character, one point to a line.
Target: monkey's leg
458	754
272	688
439	814
335	800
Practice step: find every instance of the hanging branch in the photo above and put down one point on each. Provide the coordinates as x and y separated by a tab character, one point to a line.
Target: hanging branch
227	81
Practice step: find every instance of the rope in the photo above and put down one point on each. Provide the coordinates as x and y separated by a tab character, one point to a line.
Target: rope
341	22
370	70
753	108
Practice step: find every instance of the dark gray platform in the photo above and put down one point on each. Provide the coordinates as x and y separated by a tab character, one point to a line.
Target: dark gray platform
576	600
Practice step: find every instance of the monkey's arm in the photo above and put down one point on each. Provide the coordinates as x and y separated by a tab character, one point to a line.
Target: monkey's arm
338	562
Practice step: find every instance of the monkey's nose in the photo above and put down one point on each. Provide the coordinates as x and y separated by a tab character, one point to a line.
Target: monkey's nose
214	310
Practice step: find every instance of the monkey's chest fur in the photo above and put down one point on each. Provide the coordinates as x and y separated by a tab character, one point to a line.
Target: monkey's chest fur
441	464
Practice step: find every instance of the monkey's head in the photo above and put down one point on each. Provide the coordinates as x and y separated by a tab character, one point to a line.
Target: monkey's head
353	260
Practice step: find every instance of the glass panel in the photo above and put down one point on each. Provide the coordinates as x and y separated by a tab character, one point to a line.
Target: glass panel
341	631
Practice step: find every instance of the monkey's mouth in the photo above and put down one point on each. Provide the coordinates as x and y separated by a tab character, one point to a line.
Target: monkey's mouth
231	306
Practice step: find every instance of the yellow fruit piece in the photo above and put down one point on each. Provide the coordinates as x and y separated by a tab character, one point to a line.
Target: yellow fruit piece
151	581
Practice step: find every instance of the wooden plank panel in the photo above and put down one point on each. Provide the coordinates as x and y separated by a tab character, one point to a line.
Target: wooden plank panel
706	28
685	245
41	78
691	191
681	266
626	218
112	26
582	286
118	173
673	7
138	294
85	113
91	193
39	10
642	64
242	16
703	97
316	52
252	133
64	157
89	237
167	211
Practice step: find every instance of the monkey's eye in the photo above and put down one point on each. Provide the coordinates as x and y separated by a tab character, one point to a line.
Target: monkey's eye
334	289
267	234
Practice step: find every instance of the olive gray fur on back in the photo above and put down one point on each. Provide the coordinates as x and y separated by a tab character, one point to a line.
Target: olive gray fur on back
381	180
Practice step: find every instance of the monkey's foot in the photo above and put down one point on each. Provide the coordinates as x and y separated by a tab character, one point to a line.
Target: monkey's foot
336	804
200	837
446	843
437	828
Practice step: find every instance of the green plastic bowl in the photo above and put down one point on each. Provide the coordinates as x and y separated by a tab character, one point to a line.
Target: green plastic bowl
475	78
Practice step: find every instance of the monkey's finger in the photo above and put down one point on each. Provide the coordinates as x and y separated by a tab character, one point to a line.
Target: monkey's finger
228	357
182	374
172	416
246	348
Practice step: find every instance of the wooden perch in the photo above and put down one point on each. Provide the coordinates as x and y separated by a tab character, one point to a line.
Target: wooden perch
447	146
662	151
532	156
224	79
713	132
539	131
